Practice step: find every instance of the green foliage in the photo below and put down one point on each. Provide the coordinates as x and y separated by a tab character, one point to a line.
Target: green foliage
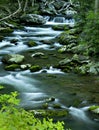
90	35
14	118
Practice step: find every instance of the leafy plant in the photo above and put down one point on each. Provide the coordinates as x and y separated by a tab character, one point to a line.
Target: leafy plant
14	118
90	35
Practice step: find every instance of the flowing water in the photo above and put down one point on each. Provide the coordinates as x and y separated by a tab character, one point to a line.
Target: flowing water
71	91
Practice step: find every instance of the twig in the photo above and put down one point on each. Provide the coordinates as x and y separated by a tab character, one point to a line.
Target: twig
18	10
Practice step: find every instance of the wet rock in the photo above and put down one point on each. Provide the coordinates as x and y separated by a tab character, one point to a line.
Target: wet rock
48	41
93	68
25	66
50	113
32	19
63	49
37	54
35	68
80	59
45	106
60	27
66	39
6	30
57	106
83	70
65	61
14	41
79	49
94	109
12	67
51	99
32	43
1	38
13	58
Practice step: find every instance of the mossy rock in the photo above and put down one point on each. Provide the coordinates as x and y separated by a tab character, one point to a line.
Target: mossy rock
1	38
57	106
6	30
25	66
13	59
32	43
60	27
12	67
50	113
94	109
1	87
14	40
35	68
65	39
62	49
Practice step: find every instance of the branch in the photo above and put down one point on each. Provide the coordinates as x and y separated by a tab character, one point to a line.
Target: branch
18	10
25	6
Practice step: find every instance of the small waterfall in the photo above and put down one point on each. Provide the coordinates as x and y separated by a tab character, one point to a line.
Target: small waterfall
59	20
79	113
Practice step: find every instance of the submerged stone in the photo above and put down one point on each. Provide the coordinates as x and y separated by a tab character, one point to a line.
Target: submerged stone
32	43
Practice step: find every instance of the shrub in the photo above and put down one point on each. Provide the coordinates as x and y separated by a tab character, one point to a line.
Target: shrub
14	118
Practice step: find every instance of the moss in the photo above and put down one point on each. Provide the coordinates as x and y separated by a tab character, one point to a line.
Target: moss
50	113
1	38
65	38
12	67
35	68
1	87
62	49
31	43
6	30
93	107
57	106
60	27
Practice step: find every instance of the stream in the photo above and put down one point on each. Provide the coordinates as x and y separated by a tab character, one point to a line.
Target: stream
73	92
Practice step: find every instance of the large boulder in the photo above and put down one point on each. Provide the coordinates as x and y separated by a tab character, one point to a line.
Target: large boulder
65	39
13	59
32	19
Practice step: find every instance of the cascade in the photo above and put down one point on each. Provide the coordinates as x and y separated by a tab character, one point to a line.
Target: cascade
59	19
35	87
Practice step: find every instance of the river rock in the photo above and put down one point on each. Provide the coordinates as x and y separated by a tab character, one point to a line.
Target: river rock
1	38
12	67
80	59
37	54
25	66
93	68
50	113
60	27
79	49
31	43
35	68
65	39
32	19
62	49
6	30
94	109
13	58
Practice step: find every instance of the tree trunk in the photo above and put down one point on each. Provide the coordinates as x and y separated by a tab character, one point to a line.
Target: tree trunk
96	6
